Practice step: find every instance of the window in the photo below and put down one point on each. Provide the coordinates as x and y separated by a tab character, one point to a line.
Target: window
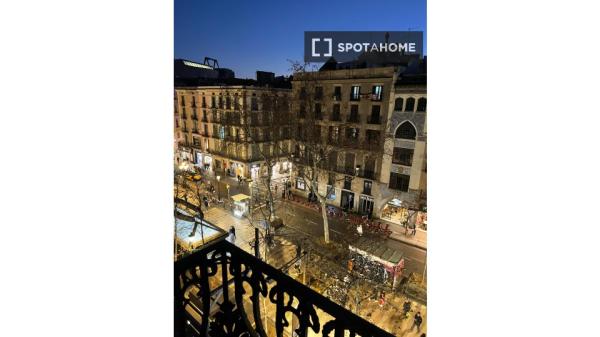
337	93
372	138
318	92
348	183
213	102
399	181
355	93
349	163
352	133
406	131
196	141
182	100
254	103
318	113
220	102
333	158
403	156
377	93
367	187
193	101
398	104
422	104
335	113
410	104
354	118
302	112
375	115
203	101
228	103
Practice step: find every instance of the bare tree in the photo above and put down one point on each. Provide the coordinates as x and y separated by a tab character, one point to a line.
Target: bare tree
317	144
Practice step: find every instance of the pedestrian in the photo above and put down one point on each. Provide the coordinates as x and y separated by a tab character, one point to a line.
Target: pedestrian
414	230
231	235
350	265
283	194
417	321
290	194
276	186
298	251
359	229
382	299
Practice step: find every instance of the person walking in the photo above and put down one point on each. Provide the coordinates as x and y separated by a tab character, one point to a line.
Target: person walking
417	321
290	194
276	186
231	235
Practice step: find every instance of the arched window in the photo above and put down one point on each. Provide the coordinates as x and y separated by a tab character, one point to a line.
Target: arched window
398	104
422	104
406	131
410	104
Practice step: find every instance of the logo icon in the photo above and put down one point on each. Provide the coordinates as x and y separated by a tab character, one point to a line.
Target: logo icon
314	48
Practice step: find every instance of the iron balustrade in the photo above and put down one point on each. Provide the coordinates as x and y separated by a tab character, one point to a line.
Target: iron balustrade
225	308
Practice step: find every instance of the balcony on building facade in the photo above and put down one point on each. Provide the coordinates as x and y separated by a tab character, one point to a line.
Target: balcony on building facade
366	174
374	120
221	290
353	118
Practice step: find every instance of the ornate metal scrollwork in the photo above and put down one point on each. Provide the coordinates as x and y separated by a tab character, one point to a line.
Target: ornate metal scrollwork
220	311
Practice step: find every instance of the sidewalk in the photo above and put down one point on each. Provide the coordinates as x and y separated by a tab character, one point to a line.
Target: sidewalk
418	240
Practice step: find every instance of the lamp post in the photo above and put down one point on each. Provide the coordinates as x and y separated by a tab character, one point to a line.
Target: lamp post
219	187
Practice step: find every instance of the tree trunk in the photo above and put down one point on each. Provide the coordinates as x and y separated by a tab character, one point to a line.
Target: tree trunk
325	220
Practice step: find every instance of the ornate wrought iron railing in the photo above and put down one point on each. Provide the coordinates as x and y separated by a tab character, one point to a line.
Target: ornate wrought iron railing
204	307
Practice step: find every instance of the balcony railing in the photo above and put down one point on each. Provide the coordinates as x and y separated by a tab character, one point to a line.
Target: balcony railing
374	120
221	290
353	119
368	174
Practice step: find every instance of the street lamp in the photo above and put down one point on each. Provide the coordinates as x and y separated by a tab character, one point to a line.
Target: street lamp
219	187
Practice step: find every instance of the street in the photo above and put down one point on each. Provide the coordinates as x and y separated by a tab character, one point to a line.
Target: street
310	222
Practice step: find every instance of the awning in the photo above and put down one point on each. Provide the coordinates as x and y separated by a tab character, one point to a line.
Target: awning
240	197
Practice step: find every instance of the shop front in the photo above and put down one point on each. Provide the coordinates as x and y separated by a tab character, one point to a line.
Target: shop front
207	162
347	202
199	156
365	205
254	171
281	170
398	212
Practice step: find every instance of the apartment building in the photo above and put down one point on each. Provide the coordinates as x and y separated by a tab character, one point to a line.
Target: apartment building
376	117
225	127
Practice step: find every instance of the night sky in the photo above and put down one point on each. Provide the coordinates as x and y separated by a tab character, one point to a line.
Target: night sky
246	36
